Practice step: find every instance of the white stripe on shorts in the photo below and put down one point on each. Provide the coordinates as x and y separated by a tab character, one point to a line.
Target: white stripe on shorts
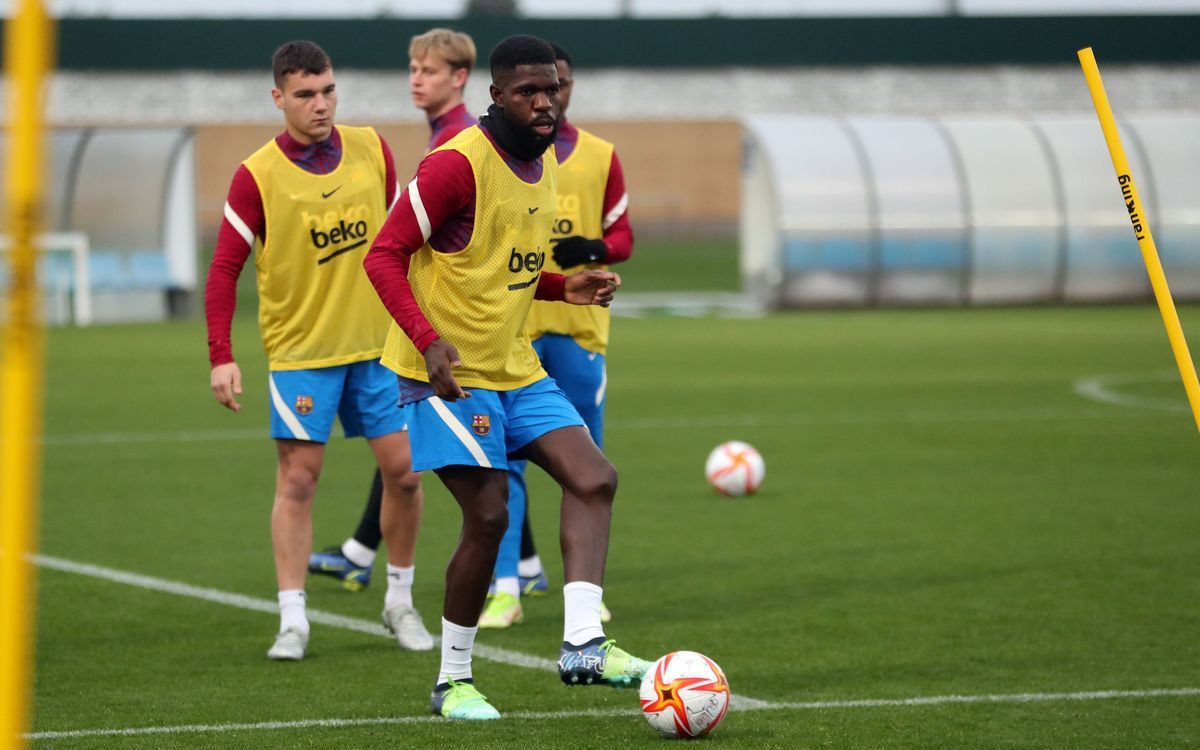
466	438
603	386
289	419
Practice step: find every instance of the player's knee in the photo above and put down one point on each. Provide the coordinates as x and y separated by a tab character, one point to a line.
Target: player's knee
402	480
490	522
298	483
599	484
410	482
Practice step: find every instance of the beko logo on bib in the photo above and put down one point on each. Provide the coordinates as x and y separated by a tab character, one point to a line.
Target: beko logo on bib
332	228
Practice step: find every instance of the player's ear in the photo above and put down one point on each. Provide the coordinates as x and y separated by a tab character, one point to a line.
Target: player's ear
497	95
460	77
277	95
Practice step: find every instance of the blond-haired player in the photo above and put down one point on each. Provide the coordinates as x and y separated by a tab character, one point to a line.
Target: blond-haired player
439	63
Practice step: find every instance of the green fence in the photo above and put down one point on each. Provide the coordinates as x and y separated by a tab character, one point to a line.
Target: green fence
238	44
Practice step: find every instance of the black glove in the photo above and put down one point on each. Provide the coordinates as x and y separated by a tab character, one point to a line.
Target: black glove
576	250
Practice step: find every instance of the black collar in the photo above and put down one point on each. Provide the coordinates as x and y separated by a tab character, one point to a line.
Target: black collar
520	143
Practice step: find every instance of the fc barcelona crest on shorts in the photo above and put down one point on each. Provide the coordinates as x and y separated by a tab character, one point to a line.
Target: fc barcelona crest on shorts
304	405
481	424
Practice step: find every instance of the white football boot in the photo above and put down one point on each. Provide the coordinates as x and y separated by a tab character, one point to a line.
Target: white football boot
289	645
405	623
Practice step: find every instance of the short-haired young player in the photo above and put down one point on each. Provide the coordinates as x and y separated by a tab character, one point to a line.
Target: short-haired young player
310	201
458	264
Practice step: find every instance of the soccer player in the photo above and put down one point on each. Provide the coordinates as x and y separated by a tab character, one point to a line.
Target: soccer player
440	60
311	200
591	229
458	264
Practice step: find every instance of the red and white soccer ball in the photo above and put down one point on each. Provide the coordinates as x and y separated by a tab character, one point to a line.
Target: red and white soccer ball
685	694
735	468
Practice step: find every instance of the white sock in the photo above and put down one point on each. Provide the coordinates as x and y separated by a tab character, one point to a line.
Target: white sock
358	553
400	581
509	585
457	643
291	610
581	612
529	567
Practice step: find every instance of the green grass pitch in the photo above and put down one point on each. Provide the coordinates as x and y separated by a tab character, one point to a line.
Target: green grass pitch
944	514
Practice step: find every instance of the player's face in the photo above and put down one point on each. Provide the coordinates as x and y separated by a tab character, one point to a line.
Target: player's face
434	85
566	82
308	102
529	98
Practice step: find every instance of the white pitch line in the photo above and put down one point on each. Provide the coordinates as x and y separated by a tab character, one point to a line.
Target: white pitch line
941	700
1103	388
803	420
255	604
648	423
176	436
936	700
491	653
304	724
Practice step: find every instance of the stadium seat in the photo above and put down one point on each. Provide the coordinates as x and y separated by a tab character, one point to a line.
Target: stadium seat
55	270
107	269
148	270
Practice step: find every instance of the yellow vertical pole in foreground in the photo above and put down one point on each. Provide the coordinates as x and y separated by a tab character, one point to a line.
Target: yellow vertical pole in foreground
1141	230
27	48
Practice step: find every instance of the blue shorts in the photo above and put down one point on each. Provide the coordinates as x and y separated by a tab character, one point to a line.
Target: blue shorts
362	395
485	429
580	374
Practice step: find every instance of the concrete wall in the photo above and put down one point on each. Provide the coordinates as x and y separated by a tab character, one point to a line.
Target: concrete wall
683	178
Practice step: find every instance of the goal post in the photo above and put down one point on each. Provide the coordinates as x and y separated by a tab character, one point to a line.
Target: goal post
78	246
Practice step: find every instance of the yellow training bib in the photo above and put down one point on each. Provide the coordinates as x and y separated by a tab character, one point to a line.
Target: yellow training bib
477	298
316	307
582	179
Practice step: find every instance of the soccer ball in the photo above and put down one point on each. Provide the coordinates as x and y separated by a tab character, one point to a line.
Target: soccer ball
684	694
735	468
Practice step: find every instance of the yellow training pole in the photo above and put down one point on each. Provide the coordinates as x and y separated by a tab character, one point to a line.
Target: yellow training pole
27	46
1141	230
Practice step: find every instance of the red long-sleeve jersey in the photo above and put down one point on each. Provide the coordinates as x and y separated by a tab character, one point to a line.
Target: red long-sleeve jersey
438	207
618	234
445	126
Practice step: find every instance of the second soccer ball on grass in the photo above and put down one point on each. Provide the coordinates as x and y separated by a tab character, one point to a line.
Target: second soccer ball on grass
735	468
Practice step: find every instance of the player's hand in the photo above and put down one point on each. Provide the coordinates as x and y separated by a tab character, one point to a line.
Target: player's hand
576	251
440	357
226	383
591	288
